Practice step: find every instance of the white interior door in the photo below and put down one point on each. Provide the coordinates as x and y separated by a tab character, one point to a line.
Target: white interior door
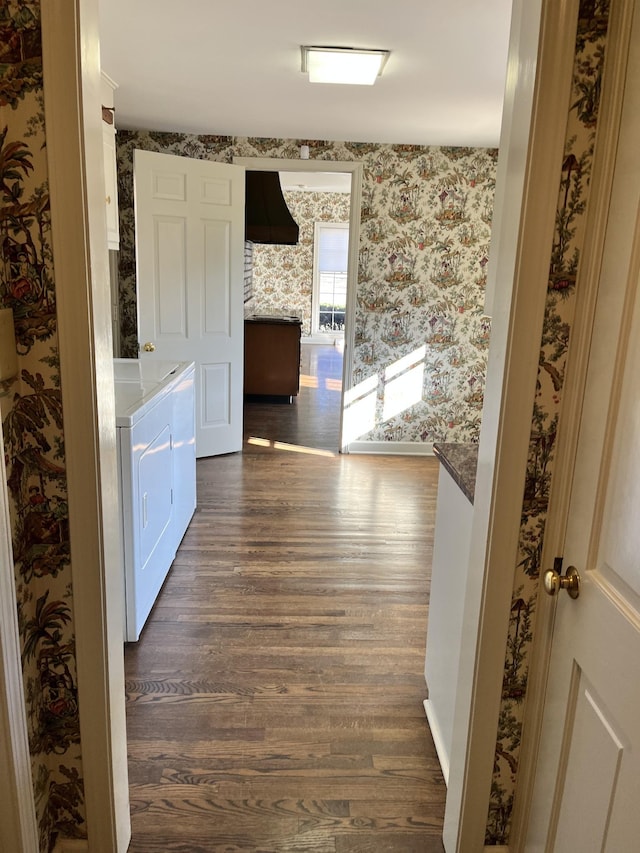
190	268
587	789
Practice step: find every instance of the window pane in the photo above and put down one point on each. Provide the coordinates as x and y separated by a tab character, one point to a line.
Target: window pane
330	287
333	298
333	249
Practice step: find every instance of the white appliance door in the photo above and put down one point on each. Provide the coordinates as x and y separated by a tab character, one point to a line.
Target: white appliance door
587	791
190	276
146	459
184	457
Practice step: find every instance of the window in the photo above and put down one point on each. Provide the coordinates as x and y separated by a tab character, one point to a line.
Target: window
331	250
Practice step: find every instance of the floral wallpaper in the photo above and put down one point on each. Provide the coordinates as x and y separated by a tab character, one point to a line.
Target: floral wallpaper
283	275
560	305
424	246
31	409
426	220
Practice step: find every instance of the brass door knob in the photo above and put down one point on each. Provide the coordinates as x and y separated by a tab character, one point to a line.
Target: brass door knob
149	347
553	582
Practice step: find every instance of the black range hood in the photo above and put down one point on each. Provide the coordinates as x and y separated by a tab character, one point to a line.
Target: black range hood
267	218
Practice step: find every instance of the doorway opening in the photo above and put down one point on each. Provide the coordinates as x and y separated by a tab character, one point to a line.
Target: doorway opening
319	176
312	422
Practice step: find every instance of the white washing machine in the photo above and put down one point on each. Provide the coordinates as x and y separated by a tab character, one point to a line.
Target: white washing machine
155	419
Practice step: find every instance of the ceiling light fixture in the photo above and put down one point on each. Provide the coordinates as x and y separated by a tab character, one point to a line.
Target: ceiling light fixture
343	64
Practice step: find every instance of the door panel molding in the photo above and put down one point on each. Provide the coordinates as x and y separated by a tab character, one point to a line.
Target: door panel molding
588	720
200	317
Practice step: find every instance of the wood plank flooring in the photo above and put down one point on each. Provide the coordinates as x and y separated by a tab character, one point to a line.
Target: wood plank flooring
313	418
274	700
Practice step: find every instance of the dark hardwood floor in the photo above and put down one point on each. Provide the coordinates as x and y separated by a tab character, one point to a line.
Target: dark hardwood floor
274	700
313	418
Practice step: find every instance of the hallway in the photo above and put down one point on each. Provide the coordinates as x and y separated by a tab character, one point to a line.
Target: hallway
275	696
312	419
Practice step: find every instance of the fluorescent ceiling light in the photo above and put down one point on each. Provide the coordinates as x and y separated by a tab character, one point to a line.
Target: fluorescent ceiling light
343	64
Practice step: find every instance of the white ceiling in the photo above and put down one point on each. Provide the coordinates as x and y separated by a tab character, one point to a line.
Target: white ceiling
233	68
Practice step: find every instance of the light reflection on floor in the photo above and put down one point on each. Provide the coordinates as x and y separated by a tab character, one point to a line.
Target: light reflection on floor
292	448
312	420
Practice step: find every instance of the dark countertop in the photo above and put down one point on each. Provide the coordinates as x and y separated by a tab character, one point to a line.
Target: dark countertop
275	319
461	461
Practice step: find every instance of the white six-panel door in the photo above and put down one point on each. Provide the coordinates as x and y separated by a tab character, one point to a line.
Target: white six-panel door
190	269
587	791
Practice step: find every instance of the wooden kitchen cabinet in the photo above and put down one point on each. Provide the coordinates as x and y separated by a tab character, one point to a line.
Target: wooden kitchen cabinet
272	355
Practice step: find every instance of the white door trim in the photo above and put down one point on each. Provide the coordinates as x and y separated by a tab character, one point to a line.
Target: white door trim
536	106
355	169
18	827
71	63
572	393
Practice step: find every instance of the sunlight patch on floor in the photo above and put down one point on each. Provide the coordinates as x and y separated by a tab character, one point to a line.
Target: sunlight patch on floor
333	384
307	381
292	448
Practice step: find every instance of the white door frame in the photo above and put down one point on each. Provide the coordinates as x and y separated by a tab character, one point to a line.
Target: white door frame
573	392
71	64
355	169
537	100
71	68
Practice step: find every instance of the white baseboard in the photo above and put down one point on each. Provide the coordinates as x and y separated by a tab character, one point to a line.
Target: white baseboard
71	845
443	757
400	448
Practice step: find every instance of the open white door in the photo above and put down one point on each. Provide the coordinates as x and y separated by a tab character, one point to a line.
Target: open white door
190	270
587	787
